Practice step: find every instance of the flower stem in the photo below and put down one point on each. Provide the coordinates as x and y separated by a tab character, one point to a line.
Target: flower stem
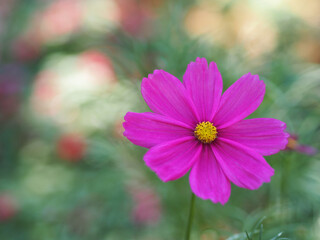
191	214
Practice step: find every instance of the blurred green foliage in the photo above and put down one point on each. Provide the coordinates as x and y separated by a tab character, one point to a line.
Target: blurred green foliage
103	190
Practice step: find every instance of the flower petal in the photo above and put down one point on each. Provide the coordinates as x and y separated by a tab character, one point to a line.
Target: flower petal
240	100
166	95
243	166
207	179
172	160
204	85
150	129
264	135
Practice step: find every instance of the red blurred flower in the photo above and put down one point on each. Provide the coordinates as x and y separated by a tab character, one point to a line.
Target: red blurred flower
71	147
8	207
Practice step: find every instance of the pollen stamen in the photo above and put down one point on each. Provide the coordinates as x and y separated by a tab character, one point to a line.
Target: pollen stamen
205	132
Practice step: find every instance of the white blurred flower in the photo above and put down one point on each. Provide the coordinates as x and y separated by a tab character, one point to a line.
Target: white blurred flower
242	25
80	92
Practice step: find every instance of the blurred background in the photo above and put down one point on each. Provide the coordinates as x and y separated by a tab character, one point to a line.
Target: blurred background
71	69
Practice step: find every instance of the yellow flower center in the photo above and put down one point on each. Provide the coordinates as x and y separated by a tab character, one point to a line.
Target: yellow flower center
205	132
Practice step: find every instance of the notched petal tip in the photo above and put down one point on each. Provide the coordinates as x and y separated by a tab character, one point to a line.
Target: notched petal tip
203	61
221	201
213	199
198	63
125	124
213	65
286	135
154	73
144	80
127	116
283	125
254	77
165	179
286	140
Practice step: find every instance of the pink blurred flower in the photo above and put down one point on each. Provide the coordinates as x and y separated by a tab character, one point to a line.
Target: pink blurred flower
136	16
71	147
294	145
25	49
147	207
8	207
60	18
194	127
45	91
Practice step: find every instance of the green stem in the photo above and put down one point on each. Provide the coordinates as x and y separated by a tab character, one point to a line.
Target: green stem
191	214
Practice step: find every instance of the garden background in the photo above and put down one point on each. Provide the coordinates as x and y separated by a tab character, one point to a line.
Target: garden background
71	69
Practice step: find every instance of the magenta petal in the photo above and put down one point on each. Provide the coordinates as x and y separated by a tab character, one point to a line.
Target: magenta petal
149	129
207	179
240	100
172	160
166	95
204	85
243	166
264	135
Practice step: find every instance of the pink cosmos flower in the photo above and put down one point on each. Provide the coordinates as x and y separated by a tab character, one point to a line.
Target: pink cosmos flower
195	127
